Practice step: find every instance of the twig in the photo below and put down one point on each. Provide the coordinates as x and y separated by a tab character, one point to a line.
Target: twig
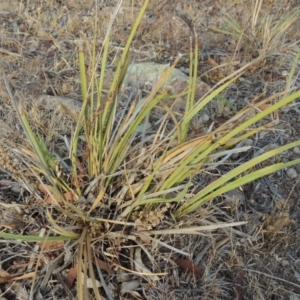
10	53
274	277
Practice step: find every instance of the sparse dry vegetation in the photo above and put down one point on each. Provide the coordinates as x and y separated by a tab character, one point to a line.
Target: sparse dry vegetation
119	186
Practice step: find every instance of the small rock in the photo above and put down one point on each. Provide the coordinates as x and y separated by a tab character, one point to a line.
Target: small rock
204	118
33	46
177	82
292	173
52	102
248	142
294	297
4	13
16	189
234	194
234	155
265	149
285	263
145	74
296	150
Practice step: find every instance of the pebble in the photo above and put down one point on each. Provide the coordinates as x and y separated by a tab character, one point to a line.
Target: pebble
16	189
204	118
292	173
294	297
248	142
285	263
234	194
296	150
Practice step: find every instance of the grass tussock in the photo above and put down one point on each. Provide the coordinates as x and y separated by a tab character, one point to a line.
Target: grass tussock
118	188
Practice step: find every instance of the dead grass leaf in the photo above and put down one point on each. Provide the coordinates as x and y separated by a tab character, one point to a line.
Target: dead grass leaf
143	238
140	267
212	61
129	286
71	276
189	266
52	245
238	292
264	106
8	278
44	189
68	196
103	265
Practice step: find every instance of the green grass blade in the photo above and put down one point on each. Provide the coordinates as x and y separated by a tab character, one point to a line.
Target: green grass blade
158	200
83	79
32	238
239	129
37	146
239	182
188	117
127	46
179	170
209	190
284	101
191	88
292	72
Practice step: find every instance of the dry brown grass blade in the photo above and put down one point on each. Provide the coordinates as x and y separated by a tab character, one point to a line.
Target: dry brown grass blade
90	267
187	147
99	265
8	278
274	277
81	264
102	264
52	267
140	267
238	291
192	230
150	274
98	199
10	53
189	266
71	276
36	248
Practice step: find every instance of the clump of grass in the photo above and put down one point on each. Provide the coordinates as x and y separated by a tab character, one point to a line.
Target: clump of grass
258	34
119	178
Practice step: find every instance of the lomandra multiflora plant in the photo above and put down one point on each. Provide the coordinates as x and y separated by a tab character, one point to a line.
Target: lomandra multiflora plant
124	177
